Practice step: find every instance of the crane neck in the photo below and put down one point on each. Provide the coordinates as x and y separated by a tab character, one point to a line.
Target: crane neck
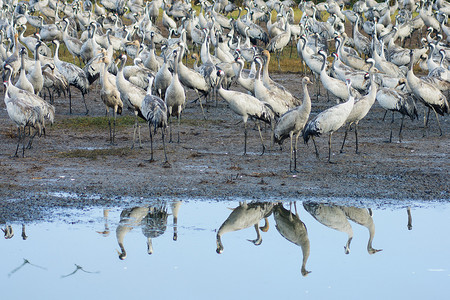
324	61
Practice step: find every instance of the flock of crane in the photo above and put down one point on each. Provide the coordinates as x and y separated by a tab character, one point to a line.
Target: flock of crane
366	67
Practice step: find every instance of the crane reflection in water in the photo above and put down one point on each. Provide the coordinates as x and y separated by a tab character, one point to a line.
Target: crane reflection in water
151	219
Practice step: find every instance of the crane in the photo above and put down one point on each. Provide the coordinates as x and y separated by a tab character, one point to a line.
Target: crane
154	110
328	121
292	123
245	106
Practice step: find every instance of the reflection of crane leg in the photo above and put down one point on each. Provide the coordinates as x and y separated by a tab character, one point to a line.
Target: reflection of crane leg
408	210
24	235
265	228
258	239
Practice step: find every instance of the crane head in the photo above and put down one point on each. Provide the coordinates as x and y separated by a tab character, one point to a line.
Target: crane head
306	80
220	73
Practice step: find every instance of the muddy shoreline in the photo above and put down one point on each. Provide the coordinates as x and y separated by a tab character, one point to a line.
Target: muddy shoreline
208	162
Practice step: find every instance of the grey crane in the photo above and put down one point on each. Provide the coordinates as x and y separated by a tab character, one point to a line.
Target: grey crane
175	96
23	82
132	96
154	110
35	76
360	110
280	41
292	123
23	113
75	77
328	121
428	94
111	98
397	100
245	106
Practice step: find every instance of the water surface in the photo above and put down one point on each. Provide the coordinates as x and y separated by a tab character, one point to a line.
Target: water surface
76	253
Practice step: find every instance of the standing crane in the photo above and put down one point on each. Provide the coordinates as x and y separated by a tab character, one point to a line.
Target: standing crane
154	110
396	100
131	96
22	112
329	121
280	41
74	75
175	96
35	75
293	121
111	98
245	106
360	110
23	82
428	94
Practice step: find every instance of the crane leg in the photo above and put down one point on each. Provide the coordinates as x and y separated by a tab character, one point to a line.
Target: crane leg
164	145
437	119
170	129
262	141
278	59
401	128
425	120
201	105
179	120
18	141
384	116
356	137
70	100
345	137
292	150
109	125
151	142
30	142
85	105
392	125
329	148
114	129
245	138
315	147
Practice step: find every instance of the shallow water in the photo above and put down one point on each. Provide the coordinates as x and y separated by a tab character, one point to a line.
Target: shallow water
75	254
